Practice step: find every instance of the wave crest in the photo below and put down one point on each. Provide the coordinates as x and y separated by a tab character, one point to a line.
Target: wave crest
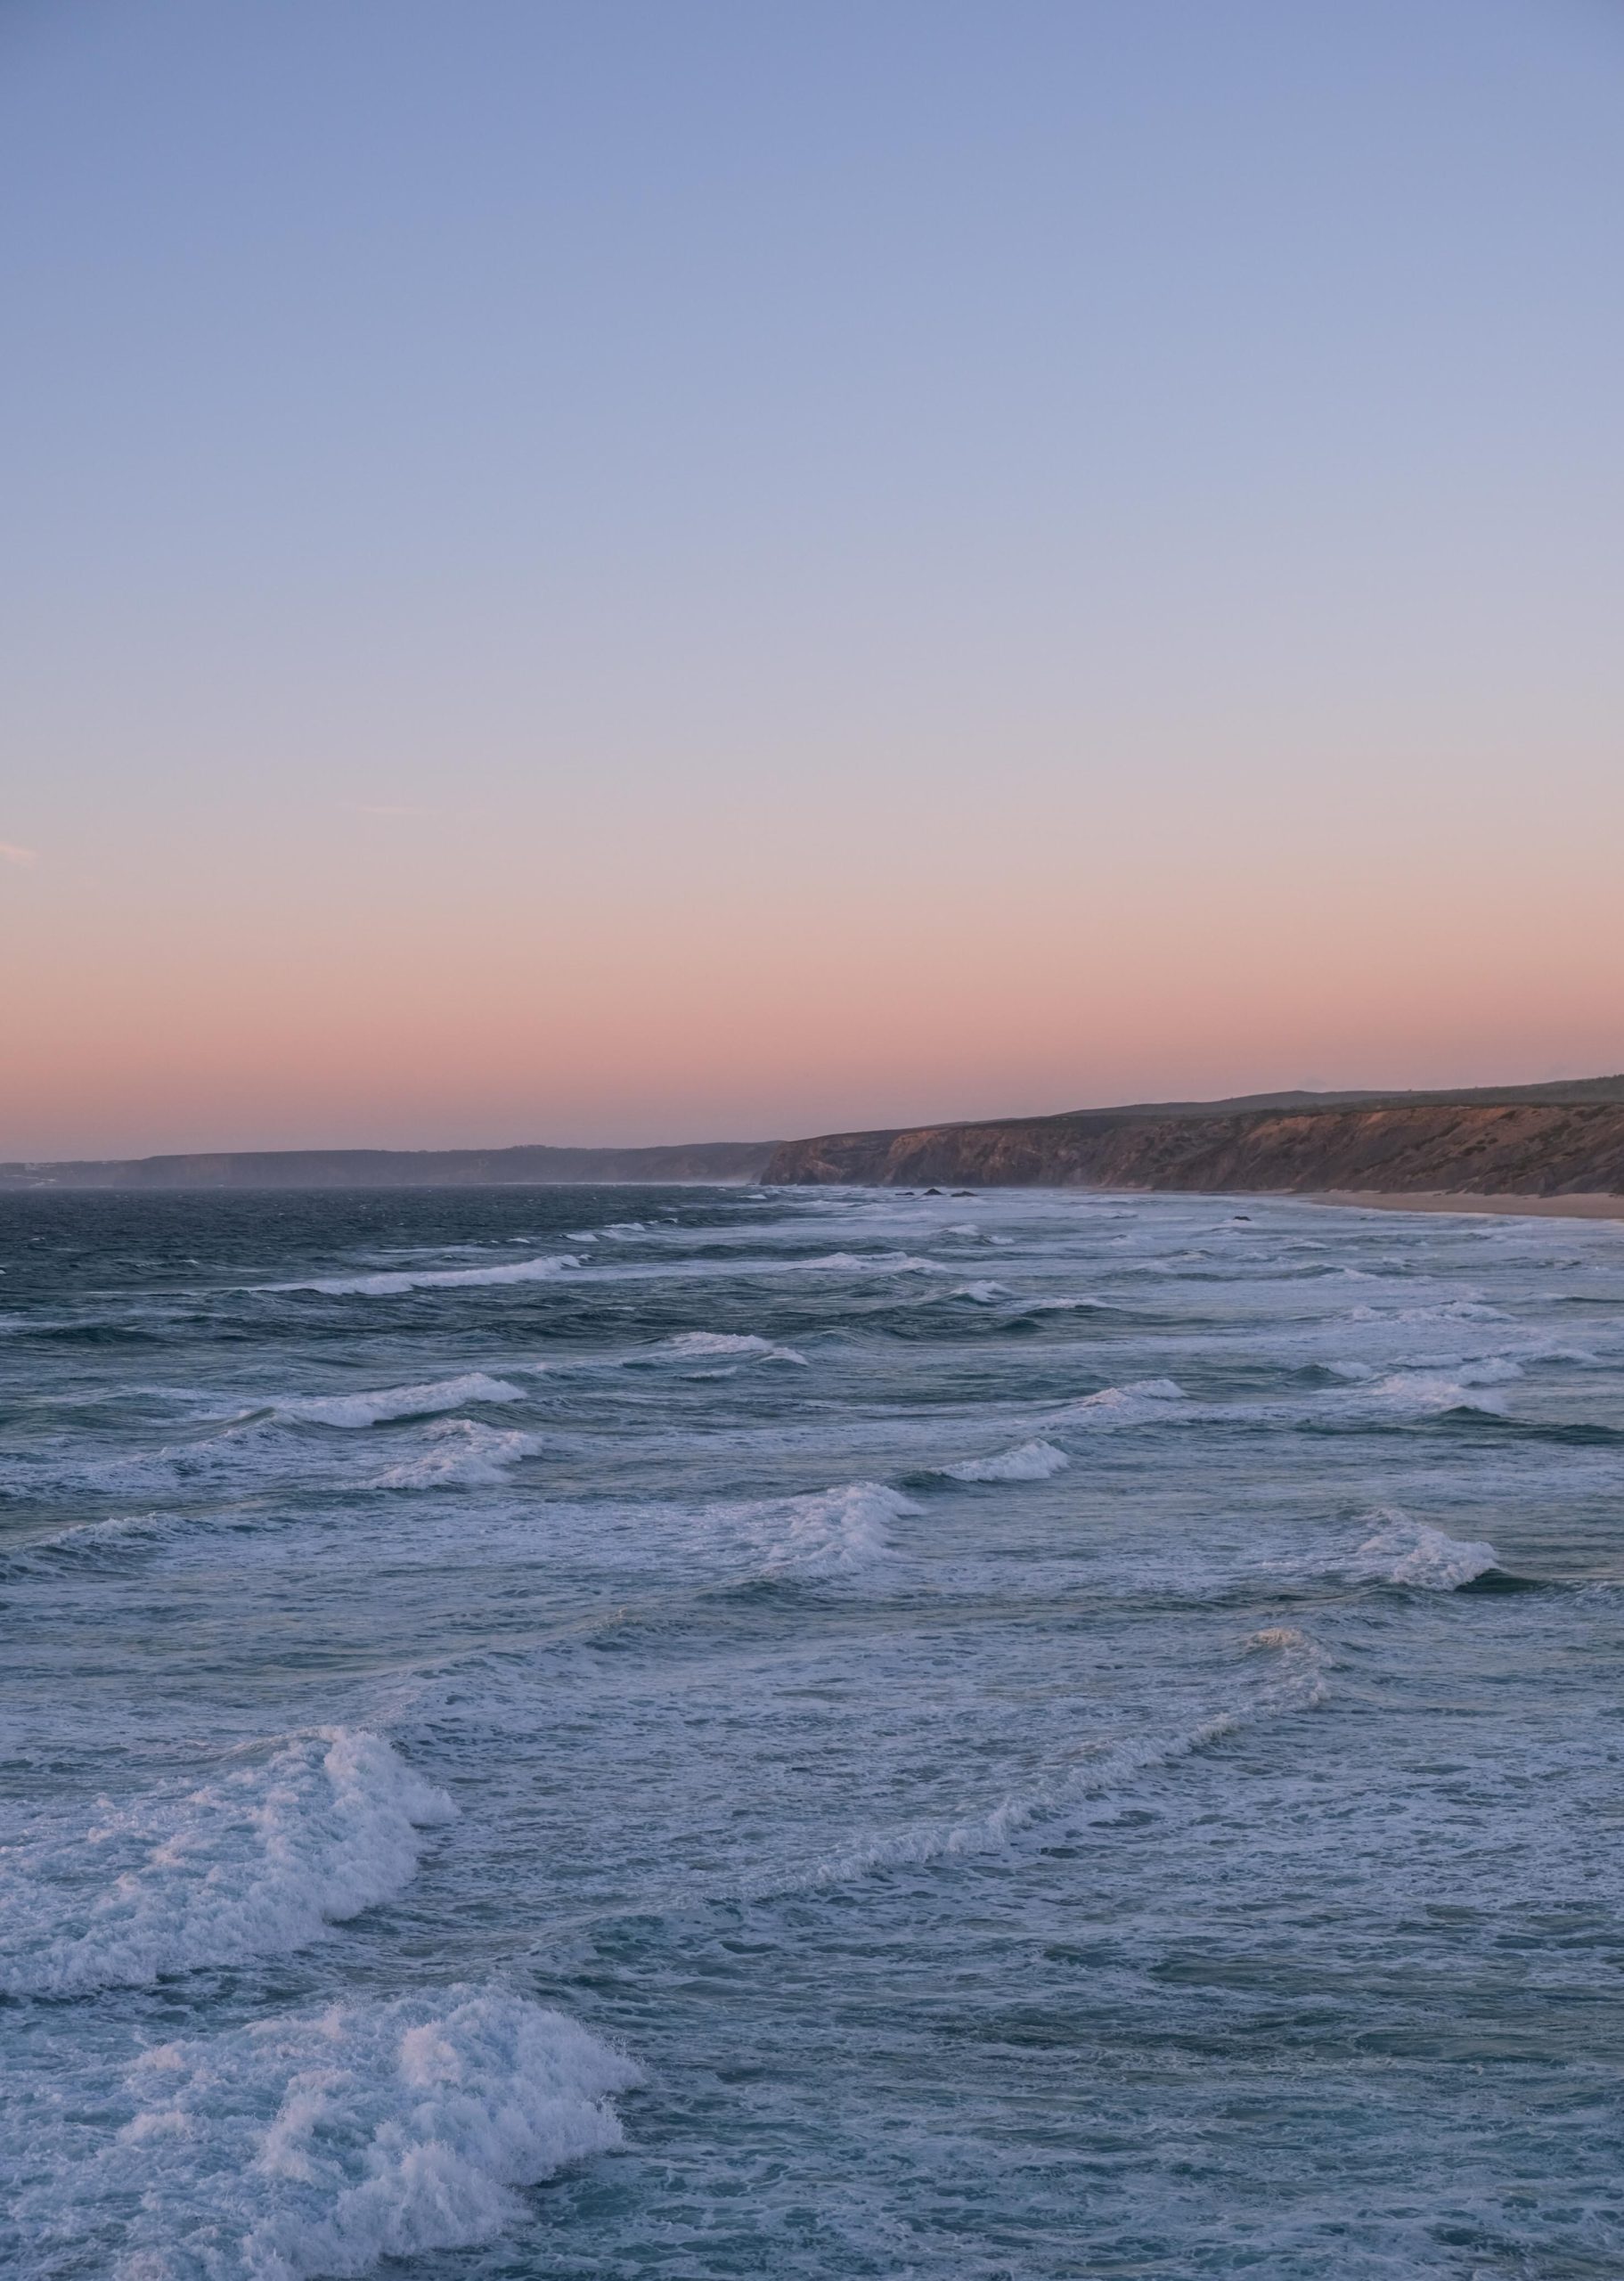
1087	1791
827	1534
1132	1404
328	2142
91	1542
1403	1551
873	1262
389	1283
462	1454
255	1863
731	1345
358	1409
1030	1461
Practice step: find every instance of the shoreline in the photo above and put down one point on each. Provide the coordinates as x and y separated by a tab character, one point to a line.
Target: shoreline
1585	1205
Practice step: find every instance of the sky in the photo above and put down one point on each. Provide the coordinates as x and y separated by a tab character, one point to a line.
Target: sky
623	570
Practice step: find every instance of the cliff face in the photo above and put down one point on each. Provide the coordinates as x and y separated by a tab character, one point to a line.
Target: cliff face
1527	1148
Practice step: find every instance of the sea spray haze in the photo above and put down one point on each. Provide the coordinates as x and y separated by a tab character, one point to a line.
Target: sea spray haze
580	1733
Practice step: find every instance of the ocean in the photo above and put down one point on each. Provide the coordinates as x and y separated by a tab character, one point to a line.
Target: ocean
709	1733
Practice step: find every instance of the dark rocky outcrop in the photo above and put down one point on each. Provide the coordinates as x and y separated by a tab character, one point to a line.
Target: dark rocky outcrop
1530	1146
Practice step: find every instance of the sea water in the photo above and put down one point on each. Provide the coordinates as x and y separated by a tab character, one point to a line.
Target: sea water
704	1733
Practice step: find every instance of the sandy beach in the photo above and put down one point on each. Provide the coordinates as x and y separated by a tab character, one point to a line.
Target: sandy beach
1592	1206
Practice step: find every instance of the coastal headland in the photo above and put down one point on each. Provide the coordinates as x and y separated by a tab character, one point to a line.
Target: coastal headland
1559	1145
1539	1149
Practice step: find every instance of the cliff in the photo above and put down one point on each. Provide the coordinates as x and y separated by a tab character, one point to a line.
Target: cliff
1537	1140
699	1160
1523	1148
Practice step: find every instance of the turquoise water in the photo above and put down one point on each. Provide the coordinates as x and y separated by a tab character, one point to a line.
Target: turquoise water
706	1733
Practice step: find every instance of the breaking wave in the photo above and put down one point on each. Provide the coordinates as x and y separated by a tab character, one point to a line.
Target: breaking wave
1088	1790
90	1542
1464	1386
874	1262
827	1533
1403	1551
729	1346
356	1409
462	1454
1126	1405
1030	1461
435	1279
255	1863
328	2142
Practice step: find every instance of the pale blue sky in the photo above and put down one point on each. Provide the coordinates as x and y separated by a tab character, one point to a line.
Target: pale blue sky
756	471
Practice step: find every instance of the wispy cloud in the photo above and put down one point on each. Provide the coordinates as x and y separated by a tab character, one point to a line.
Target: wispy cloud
23	855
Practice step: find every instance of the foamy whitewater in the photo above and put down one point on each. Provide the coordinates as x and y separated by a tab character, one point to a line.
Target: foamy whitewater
609	1733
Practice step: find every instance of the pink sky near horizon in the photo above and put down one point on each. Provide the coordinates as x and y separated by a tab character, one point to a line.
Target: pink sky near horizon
463	1003
685	571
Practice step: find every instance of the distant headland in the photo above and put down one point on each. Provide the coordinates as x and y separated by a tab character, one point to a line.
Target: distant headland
1561	1139
1560	1143
529	1166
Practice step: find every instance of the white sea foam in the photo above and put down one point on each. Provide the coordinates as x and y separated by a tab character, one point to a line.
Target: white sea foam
874	1262
730	1345
1463	1388
355	1410
1489	1370
1095	1782
57	1469
827	1533
1030	1461
1471	1310
1141	1399
1582	1358
426	1279
461	1453
119	1529
1403	1551
328	2143
255	1862
1088	1788
1407	1393
89	1540
981	1294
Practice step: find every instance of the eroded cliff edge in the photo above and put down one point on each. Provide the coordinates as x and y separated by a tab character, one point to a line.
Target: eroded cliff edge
1511	1148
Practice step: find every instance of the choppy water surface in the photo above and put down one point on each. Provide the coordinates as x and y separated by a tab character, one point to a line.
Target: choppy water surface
609	1733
